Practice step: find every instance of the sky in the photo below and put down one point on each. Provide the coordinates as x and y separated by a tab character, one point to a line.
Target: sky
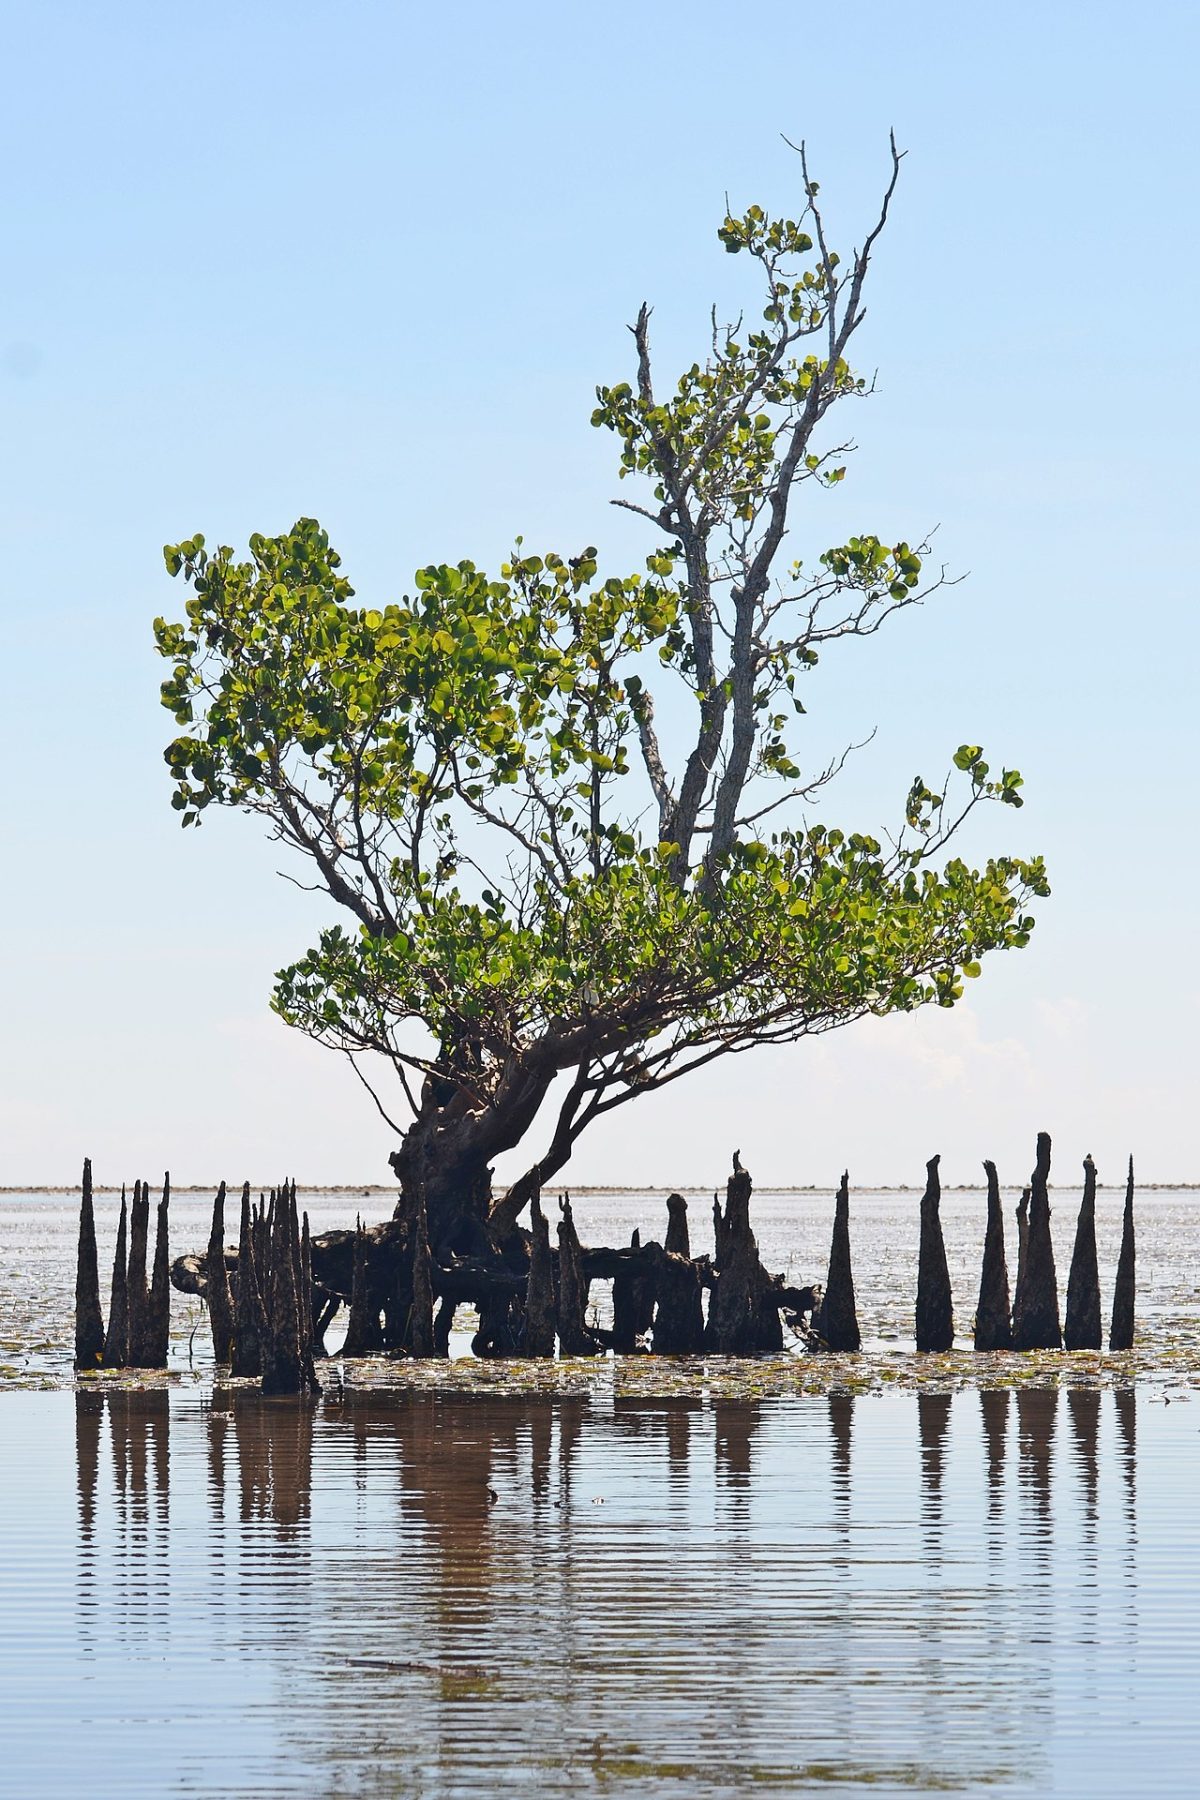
369	262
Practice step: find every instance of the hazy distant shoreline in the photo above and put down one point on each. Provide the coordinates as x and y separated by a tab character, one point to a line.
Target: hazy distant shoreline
815	1187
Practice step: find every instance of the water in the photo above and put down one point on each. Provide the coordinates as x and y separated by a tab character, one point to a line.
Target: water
207	1594
672	1579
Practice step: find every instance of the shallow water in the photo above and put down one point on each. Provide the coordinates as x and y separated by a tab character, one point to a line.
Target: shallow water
206	1594
647	1580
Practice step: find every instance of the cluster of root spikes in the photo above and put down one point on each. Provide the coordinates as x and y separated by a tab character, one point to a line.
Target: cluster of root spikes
271	1301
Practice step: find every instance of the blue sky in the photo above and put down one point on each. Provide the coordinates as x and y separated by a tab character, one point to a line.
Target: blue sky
369	262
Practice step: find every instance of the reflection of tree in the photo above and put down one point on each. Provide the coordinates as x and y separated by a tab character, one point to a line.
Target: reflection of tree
841	1426
1083	1412
1037	1412
218	1426
735	1424
274	1441
1125	1402
665	1421
933	1422
416	1626
993	1406
89	1412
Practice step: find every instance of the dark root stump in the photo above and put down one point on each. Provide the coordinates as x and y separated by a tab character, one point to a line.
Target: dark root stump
1035	1313
137	1286
573	1335
993	1320
836	1321
743	1314
1120	1336
364	1336
89	1320
248	1307
220	1299
935	1306
679	1313
421	1323
1082	1329
540	1301
633	1305
157	1342
116	1343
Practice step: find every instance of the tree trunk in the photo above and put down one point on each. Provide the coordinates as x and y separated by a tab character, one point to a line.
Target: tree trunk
89	1320
1082	1329
220	1300
836	1322
935	1306
1035	1314
1120	1335
446	1156
993	1321
116	1344
742	1319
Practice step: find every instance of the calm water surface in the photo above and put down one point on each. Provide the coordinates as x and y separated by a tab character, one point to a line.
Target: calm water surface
969	1593
613	1590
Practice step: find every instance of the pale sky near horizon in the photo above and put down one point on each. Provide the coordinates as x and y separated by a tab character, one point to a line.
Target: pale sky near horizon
368	262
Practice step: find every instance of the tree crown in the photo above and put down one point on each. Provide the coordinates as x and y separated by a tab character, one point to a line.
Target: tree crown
477	774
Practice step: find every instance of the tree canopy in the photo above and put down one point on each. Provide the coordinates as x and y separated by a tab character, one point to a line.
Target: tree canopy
563	809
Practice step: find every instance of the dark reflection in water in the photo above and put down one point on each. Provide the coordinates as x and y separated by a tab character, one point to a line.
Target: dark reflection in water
1083	1411
1126	1409
411	1595
89	1414
1037	1414
993	1407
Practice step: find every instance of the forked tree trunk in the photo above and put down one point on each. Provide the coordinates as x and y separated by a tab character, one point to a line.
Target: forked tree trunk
89	1320
1120	1335
935	1306
1082	1329
836	1322
993	1316
1035	1314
